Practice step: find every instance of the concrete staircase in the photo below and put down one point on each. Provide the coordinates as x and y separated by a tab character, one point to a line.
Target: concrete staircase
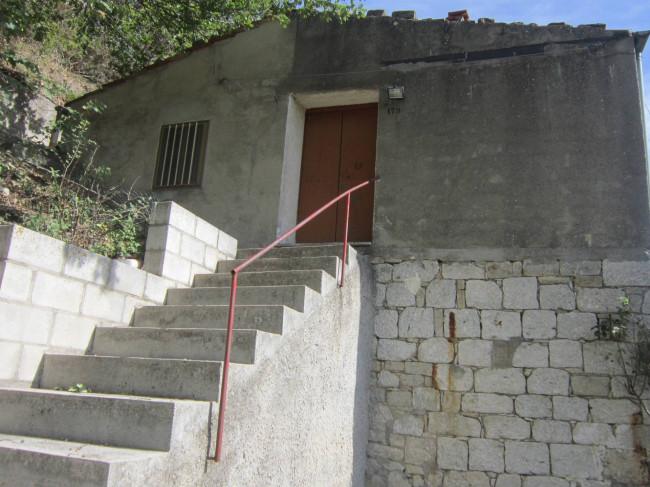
148	418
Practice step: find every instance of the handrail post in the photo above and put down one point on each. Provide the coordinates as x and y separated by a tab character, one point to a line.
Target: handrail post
345	239
226	365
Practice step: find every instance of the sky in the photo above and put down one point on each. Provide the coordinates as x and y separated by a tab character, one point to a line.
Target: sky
617	14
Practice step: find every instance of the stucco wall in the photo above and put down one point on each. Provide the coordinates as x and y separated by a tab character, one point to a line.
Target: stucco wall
530	151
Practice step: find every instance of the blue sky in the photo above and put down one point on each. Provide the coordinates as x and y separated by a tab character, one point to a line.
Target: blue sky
617	14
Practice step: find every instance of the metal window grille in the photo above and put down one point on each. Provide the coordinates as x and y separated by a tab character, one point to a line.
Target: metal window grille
180	154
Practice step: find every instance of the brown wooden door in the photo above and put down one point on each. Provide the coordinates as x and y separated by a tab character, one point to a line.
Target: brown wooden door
338	153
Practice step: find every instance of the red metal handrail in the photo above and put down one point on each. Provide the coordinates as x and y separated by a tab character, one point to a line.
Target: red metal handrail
233	295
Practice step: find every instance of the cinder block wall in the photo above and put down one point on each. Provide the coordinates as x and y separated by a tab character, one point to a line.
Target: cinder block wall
489	374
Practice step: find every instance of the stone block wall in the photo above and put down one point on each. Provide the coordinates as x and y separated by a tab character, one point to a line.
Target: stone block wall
489	374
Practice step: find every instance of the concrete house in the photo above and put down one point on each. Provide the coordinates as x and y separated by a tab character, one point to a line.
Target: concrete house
511	214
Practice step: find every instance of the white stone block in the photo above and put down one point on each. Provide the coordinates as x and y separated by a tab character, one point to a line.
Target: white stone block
506	427
477	353
559	296
30	360
15	281
549	431
408	424
420	451
570	408
527	458
549	381
164	237
441	293
9	360
602	357
207	233
576	462
628	273
455	478
399	399
447	377
72	331
156	287
503	381
227	244
57	292
379	296
127	279
426	399
483	295
452	454
462	323
589	385
508	480
500	325
420	271
387	379
486	455
453	424
630	437
529	354
533	406
438	350
599	300
386	323
462	270
613	411
541	267
594	434
383	272
25	324
576	325
565	353
399	295
545	481
498	270
580	268
416	323
487	403
395	350
539	324
32	248
103	304
520	293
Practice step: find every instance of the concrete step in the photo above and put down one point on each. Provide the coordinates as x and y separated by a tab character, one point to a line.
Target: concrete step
271	318
123	422
292	251
318	280
152	377
329	264
175	343
295	297
29	462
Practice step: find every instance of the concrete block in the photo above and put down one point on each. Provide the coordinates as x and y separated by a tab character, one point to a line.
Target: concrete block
498	270
565	353
549	382
465	479
103	304
486	455
416	323
155	288
533	406
441	293
576	325
520	293
170	213
530	354
477	353
174	267
452	424
192	249
30	360
527	458
539	324
452	454
602	357
32	248
127	279
557	297
9	360
408	424
506	427
599	300
500	325
580	268
541	267
25	324
15	281
426	399
227	244
57	292
87	266
420	272
502	381
487	403
420	451
590	385
449	377
386	323
438	350
131	303
462	323
594	434
399	295
164	237
211	259
462	270
483	295
577	462
614	411
207	233
629	273
395	350
549	431
570	408
72	331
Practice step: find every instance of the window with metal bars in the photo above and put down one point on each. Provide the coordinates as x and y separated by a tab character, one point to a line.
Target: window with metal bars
180	155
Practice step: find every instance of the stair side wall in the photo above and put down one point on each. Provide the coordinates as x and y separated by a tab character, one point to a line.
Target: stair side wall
489	371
